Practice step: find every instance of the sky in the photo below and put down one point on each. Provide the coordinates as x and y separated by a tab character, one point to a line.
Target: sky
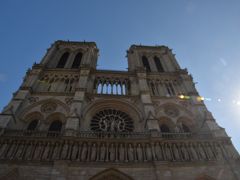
204	35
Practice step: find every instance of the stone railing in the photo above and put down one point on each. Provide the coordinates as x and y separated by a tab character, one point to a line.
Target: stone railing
80	149
108	135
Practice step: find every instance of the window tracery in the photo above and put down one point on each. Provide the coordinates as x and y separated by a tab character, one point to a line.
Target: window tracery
111	120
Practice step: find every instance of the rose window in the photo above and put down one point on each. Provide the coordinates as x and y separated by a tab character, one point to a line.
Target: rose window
111	120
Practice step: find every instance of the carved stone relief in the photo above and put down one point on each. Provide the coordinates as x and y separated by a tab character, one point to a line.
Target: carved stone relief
171	111
48	107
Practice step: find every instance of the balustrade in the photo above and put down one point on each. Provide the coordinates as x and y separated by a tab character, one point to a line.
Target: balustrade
104	135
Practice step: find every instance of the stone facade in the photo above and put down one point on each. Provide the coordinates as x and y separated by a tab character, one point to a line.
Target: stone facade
69	120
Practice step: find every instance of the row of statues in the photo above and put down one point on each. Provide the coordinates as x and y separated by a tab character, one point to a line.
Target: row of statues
115	151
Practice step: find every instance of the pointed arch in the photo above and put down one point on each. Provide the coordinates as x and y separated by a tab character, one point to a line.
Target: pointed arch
111	174
55	126
77	60
32	125
63	60
146	63
158	64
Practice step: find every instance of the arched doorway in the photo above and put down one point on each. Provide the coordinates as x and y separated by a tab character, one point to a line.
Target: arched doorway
111	174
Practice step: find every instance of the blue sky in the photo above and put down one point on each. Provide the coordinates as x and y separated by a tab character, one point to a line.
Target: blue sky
204	35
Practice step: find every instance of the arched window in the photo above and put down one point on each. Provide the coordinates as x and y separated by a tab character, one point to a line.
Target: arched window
32	125
63	60
164	128
55	126
146	64
77	60
185	128
158	64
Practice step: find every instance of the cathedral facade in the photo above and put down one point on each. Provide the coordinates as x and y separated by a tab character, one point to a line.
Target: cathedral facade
71	121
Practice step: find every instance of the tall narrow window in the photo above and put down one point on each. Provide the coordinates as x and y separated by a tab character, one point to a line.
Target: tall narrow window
63	60
145	63
32	125
158	64
77	60
55	126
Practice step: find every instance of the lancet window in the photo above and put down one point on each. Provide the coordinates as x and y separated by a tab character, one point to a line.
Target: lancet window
158	64
77	60
146	63
113	86
63	60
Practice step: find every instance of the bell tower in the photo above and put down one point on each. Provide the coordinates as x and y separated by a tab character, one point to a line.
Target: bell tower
70	120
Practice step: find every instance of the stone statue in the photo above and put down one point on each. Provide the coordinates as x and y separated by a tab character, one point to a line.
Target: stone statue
64	151
121	152
209	151
74	153
158	151
38	151
102	152
193	152
84	153
148	151
168	153
175	152
139	152
130	153
56	151
46	151
3	150
201	152
111	151
19	152
184	152
93	152
12	149
218	152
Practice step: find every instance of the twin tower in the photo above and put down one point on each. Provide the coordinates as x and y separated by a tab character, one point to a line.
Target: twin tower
70	120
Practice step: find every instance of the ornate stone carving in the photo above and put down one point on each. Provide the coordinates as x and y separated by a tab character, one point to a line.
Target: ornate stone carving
171	111
111	120
48	107
68	101
33	99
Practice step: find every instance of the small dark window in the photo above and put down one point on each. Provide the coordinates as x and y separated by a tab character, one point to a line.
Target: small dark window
55	126
145	63
158	64
77	60
32	125
185	128
164	128
63	60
